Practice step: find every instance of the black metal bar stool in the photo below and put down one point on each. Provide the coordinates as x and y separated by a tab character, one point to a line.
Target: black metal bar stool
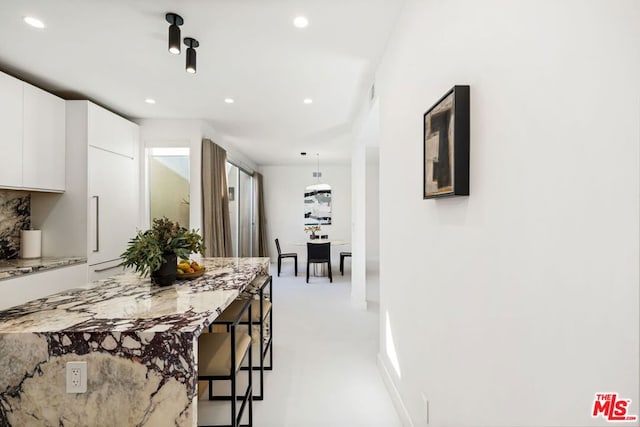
220	357
262	315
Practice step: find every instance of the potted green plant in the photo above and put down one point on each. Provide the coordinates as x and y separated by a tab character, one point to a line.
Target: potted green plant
156	251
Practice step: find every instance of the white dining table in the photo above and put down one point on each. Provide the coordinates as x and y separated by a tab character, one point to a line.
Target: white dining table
334	242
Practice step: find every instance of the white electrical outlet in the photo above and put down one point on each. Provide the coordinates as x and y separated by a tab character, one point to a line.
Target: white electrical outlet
76	377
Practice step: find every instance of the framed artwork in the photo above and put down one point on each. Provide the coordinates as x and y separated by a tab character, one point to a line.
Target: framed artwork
446	145
317	205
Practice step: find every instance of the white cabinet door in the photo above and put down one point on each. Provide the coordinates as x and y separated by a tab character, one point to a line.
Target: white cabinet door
39	285
113	204
105	270
43	151
11	128
110	131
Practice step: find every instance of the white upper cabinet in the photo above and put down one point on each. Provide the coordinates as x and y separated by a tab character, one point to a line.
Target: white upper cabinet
11	128
32	144
43	148
111	132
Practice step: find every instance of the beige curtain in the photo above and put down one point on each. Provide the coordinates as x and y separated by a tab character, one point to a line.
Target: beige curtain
215	201
263	245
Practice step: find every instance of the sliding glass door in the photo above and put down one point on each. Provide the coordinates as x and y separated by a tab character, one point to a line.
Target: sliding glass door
241	210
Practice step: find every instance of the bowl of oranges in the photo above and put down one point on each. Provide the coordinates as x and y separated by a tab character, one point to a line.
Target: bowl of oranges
190	270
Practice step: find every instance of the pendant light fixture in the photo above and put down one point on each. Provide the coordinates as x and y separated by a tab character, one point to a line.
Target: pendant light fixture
174	32
317	174
191	44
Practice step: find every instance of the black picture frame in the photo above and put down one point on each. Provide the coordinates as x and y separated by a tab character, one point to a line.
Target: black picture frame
445	142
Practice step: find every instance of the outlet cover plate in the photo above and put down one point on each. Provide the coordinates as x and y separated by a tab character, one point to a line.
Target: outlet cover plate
76	377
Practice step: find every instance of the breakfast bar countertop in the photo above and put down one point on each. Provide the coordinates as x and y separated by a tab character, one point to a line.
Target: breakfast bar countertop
139	341
11	268
127	302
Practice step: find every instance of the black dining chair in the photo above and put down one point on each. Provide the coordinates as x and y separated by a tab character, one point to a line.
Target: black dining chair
343	255
286	255
318	253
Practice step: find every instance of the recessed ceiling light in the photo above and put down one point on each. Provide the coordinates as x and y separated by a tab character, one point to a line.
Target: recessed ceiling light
150	101
34	22
308	101
300	22
229	100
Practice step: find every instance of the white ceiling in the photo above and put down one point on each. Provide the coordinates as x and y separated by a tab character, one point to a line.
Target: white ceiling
115	53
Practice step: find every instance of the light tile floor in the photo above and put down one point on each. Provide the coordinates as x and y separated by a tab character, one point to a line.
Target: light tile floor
325	372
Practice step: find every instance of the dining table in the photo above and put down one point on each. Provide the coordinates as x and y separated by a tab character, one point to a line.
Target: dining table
334	242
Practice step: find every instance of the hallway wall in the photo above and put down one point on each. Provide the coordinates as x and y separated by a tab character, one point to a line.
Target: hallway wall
515	305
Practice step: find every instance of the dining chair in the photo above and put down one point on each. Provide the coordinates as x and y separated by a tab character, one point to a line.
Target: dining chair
318	253
286	255
343	255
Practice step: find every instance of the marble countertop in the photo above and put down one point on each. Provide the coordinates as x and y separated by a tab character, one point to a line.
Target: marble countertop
11	268
139	341
128	303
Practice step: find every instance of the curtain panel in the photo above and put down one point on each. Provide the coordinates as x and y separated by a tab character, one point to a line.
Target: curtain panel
263	245
215	201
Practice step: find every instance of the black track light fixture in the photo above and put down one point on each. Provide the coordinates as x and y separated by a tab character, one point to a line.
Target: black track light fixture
174	32
191	44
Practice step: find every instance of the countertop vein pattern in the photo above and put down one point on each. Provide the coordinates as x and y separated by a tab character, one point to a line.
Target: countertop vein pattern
12	268
139	341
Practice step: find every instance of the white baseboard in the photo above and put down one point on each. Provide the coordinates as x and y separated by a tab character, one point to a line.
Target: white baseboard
395	394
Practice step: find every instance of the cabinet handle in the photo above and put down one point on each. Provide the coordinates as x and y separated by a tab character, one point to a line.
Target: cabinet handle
99	270
97	241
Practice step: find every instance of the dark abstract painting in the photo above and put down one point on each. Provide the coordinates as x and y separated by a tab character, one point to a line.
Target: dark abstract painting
446	145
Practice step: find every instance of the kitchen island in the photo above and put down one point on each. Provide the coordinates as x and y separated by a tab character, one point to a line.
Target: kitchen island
139	341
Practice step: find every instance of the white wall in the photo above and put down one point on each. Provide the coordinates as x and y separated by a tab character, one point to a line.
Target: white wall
364	207
176	133
284	195
359	223
373	222
515	305
188	133
234	155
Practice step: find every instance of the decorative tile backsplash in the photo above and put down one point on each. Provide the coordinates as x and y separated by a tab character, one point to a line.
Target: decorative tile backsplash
15	215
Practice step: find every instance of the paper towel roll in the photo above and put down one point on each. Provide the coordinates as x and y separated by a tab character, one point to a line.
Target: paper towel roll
30	243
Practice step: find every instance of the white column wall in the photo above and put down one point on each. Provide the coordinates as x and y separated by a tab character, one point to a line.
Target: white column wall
515	305
373	223
359	224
